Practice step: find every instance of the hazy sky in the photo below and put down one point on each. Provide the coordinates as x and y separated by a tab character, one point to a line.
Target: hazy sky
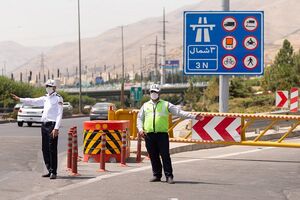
50	22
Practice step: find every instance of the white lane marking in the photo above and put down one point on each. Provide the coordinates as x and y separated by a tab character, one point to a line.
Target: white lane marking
9	175
99	178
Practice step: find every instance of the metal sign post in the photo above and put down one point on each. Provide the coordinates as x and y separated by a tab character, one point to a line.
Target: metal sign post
224	79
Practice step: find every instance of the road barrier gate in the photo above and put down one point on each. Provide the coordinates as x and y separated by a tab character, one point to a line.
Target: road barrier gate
248	124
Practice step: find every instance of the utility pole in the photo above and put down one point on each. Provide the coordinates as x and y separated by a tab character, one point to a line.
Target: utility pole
224	79
79	58
4	68
155	62
42	67
122	84
141	65
162	77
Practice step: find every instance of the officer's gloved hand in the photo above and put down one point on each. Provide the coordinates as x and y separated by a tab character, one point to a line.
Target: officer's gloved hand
142	134
199	117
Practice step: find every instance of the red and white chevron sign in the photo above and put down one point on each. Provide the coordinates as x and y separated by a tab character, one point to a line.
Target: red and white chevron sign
282	99
217	129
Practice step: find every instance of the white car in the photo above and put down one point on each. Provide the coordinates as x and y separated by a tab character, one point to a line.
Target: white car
67	109
29	114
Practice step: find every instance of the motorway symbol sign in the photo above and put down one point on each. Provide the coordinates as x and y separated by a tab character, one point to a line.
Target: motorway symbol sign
282	99
217	129
223	42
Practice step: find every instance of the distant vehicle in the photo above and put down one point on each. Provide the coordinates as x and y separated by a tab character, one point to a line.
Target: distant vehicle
17	106
87	109
29	114
100	110
99	80
67	109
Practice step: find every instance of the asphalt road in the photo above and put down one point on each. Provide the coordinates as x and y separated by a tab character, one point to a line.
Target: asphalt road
226	173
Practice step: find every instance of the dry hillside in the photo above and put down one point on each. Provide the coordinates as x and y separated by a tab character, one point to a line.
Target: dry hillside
281	21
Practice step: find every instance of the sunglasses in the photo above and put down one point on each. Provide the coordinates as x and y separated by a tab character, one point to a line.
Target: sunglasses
48	86
153	92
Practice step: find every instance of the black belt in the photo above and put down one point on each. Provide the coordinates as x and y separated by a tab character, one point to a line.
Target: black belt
48	123
157	133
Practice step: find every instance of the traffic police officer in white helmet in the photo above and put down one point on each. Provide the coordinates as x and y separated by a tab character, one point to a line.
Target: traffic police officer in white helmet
51	120
152	124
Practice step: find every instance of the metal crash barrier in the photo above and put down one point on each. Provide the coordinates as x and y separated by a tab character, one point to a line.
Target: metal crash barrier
253	129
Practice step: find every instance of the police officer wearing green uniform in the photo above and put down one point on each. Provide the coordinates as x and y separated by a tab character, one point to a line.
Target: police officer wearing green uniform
152	124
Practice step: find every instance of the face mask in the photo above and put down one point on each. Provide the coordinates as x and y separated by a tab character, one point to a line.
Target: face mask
154	95
49	90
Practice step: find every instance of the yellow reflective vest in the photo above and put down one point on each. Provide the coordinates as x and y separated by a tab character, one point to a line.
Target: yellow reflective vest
156	116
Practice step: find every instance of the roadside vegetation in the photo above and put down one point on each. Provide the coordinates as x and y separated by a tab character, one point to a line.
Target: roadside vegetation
8	86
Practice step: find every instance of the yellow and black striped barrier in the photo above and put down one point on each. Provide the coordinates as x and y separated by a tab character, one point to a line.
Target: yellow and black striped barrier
113	129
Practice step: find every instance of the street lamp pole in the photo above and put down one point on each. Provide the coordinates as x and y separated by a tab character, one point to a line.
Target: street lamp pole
79	48
122	84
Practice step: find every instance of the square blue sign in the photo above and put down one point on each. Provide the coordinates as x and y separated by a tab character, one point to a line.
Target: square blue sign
223	43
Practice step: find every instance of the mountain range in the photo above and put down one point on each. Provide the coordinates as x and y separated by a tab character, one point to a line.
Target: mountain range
281	22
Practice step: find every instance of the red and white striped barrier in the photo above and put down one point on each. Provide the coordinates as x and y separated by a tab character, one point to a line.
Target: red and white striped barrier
69	153
74	153
213	128
294	100
123	149
139	149
102	153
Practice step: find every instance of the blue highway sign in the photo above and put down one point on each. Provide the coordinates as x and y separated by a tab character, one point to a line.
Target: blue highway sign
171	64
223	42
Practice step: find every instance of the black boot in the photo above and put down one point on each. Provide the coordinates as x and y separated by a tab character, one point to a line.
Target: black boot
46	175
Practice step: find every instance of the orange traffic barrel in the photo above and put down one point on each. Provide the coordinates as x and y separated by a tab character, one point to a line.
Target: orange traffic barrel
93	131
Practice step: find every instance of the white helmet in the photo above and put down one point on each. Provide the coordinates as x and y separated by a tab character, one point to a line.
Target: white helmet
51	83
155	88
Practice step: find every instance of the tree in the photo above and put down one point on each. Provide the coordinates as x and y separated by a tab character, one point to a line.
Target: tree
211	93
191	96
239	88
282	74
